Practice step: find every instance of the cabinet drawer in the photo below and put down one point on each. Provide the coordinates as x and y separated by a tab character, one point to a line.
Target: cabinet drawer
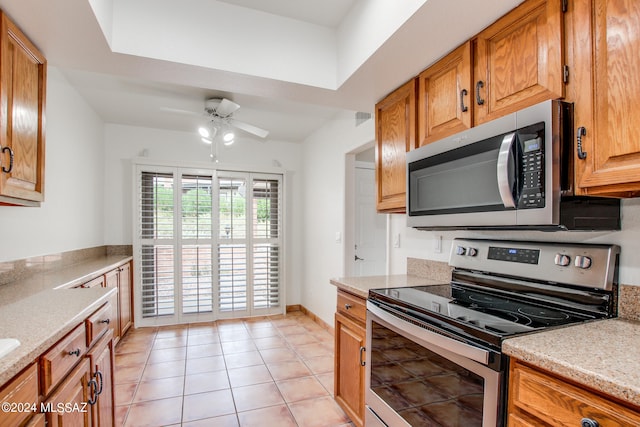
21	390
352	306
97	282
56	363
561	404
98	323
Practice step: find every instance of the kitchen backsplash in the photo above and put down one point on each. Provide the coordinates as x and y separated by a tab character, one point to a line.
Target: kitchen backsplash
10	271
435	270
629	302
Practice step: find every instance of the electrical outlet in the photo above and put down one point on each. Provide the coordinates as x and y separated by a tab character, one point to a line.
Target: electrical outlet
396	241
338	237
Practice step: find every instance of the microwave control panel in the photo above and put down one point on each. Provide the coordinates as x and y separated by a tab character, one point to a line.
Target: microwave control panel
532	173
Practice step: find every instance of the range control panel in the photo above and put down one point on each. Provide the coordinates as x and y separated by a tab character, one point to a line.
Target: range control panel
591	266
525	256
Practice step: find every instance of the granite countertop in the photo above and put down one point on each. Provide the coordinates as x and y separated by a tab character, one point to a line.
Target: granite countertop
602	355
360	285
40	310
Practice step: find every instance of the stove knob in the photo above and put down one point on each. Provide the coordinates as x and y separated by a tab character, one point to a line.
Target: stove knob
582	261
472	251
562	260
461	250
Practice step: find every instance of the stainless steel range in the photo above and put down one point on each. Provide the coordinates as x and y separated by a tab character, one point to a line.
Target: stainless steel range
434	352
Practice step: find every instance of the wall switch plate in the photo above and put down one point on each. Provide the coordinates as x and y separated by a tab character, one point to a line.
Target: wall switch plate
338	237
437	247
396	241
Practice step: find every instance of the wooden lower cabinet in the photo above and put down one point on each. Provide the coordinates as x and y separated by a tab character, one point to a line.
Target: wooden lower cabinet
350	352
538	398
124	298
101	358
68	406
23	389
120	278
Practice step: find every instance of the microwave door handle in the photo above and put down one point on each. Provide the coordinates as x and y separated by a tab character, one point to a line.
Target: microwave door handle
503	171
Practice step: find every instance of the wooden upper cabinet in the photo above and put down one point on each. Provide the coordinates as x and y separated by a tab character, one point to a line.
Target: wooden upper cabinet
395	135
518	60
22	104
605	39
445	96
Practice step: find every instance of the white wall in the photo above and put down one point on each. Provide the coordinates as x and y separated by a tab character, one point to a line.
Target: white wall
71	217
324	209
124	143
421	244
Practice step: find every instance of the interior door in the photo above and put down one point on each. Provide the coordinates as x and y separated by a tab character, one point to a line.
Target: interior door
370	226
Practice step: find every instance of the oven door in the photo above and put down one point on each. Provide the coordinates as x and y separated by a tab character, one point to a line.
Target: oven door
415	376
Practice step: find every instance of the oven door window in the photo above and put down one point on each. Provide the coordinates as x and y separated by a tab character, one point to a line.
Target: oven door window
421	386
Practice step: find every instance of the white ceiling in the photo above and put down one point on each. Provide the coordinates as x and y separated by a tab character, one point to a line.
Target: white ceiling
290	64
328	13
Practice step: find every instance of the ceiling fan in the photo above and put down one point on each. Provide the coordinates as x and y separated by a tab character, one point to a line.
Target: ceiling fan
219	116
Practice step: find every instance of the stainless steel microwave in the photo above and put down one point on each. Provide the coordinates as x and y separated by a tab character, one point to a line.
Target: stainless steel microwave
513	172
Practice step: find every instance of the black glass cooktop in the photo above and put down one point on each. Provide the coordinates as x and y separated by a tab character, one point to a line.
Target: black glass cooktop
472	311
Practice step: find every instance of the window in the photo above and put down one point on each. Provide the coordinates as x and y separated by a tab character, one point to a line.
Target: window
209	245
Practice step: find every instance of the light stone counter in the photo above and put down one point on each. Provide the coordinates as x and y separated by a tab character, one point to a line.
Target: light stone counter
40	310
603	355
360	285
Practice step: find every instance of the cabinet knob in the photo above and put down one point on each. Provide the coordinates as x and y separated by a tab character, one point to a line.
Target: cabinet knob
347	306
75	352
588	422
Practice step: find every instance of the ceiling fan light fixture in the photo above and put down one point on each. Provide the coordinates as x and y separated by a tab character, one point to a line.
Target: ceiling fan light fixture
204	132
228	137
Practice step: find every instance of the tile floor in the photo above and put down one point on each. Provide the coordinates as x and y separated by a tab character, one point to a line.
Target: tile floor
271	371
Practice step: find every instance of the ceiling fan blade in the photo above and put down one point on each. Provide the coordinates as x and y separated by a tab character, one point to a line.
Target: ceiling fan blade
249	128
226	107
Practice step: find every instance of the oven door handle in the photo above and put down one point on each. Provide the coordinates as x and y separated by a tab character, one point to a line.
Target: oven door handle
502	170
474	353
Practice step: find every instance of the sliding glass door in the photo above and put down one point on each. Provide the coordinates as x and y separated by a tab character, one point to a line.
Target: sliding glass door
209	245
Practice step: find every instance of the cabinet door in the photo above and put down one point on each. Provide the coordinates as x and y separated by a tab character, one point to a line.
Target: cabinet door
68	406
445	96
124	291
606	44
395	135
101	358
519	60
22	105
112	280
349	370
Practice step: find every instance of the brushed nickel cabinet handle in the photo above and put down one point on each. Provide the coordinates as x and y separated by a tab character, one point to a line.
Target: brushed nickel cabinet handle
75	352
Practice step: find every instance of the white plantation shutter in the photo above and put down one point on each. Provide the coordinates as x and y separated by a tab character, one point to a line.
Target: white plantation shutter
156	220
266	243
208	245
196	261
